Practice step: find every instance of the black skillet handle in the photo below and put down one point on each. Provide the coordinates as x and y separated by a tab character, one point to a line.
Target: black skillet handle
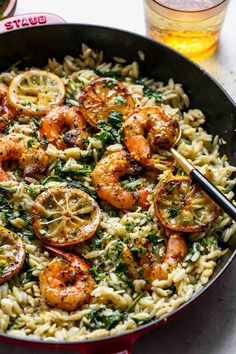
214	193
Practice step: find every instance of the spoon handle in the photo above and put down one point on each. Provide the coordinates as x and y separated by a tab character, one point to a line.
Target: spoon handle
211	190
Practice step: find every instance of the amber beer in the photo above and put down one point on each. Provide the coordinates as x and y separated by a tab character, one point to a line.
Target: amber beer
190	26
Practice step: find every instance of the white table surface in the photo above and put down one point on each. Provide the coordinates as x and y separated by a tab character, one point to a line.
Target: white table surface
210	326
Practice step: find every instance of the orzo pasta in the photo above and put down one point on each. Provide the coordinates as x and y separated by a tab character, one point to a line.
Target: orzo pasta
80	172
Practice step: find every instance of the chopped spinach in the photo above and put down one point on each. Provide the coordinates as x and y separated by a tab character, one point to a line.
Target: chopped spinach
2	267
115	119
51	179
97	240
155	240
97	271
33	191
112	321
194	251
137	252
121	268
7	189
131	184
29	276
98	320
108	135
30	144
6	209
219	235
29	234
143	321
61	173
134	303
110	73
147	91
180	172
44	142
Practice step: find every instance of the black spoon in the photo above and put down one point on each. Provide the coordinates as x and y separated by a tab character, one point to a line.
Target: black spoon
211	190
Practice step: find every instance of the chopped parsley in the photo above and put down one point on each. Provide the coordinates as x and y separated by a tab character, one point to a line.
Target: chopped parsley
30	144
173	212
155	240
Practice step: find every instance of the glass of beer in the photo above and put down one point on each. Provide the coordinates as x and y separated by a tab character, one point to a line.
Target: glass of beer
190	26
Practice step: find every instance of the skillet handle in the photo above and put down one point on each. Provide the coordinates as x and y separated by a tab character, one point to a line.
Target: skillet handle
29	20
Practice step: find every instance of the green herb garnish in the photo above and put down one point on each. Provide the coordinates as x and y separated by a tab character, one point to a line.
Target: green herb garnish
173	212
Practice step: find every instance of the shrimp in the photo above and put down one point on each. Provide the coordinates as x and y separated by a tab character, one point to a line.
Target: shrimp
147	130
6	112
24	149
142	262
59	117
65	282
106	176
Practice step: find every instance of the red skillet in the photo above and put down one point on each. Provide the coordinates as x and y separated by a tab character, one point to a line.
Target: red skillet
35	45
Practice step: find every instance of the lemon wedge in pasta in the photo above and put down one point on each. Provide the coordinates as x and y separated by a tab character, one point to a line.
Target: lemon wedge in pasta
33	91
12	254
182	206
64	216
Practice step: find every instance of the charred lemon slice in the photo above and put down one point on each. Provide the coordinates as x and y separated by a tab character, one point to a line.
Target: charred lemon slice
182	206
33	91
12	254
64	216
102	97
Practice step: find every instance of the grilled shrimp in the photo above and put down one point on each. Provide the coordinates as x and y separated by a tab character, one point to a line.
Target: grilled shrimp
65	282
106	176
147	130
6	112
59	117
144	263
24	149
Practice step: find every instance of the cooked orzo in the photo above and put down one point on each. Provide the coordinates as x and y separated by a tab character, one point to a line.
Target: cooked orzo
101	231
